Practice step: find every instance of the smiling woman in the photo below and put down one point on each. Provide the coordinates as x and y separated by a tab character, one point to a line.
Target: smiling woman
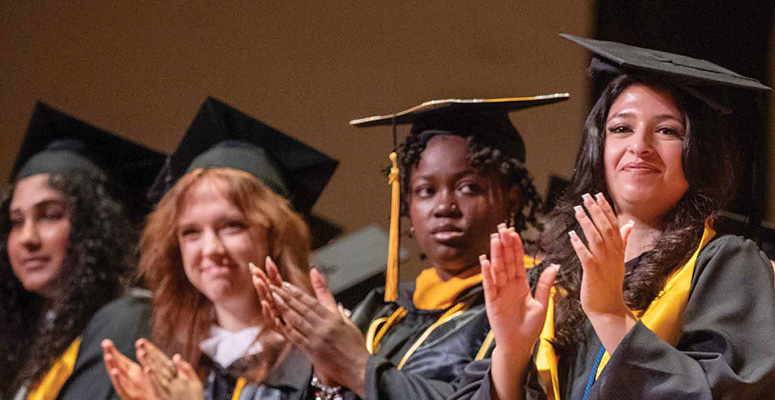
649	301
40	227
67	246
225	208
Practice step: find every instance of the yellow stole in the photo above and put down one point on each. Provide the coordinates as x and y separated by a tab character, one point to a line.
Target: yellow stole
49	386
664	316
241	382
431	293
530	262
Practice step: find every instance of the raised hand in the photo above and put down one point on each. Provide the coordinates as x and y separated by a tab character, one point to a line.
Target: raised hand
602	293
261	282
318	327
516	316
172	379
127	376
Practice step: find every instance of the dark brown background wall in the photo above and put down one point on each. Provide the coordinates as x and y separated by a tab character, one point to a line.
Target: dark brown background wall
142	69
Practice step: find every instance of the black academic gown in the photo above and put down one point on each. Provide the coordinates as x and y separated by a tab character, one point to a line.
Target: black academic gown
431	371
123	321
287	381
726	349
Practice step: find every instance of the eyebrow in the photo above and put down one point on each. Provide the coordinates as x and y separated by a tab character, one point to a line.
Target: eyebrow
467	171
43	203
628	114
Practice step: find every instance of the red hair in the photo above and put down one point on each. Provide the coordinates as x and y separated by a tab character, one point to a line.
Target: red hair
182	316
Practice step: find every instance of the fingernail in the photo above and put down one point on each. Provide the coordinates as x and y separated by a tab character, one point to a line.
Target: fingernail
275	289
291	288
278	300
599	196
501	226
482	258
631	223
493	236
579	211
573	235
587	197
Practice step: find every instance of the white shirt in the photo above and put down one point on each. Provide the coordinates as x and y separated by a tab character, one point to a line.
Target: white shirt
225	347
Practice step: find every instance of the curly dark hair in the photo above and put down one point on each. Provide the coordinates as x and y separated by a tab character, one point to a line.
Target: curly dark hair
494	144
99	251
708	169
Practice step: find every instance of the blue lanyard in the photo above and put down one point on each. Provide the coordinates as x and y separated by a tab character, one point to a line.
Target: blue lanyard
592	375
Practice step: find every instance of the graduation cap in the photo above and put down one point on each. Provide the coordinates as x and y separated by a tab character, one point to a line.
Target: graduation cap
486	119
58	142
223	137
354	264
702	79
691	74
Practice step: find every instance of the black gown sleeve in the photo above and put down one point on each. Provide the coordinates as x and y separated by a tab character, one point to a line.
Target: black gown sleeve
476	379
385	381
726	349
123	321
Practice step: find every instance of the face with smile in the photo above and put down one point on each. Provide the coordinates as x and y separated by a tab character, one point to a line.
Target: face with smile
217	241
454	207
645	132
40	228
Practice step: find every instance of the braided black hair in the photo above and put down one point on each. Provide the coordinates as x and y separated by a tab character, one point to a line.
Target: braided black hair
494	145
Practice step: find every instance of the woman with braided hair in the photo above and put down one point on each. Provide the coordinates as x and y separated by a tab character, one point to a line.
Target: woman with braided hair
462	174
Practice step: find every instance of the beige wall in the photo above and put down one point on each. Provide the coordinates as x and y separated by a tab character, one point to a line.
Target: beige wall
306	67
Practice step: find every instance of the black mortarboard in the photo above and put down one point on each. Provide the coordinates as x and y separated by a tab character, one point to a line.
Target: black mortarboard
354	264
452	107
57	142
486	119
223	137
691	74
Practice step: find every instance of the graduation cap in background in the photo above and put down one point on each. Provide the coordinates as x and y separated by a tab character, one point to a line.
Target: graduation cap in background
486	119
354	264
221	136
58	142
703	79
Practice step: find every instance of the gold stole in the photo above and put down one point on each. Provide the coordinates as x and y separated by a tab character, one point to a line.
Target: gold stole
431	294
55	378
530	262
241	382
664	316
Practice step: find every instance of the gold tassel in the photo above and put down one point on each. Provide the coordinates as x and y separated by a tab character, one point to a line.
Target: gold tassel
391	276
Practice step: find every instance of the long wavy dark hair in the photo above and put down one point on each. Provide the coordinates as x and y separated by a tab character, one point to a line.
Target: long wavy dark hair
99	249
708	169
496	146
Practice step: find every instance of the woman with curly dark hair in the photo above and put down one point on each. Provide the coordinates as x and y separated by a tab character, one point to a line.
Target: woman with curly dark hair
462	174
648	302
66	250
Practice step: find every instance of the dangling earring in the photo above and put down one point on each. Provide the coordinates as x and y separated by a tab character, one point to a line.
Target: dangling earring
511	220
